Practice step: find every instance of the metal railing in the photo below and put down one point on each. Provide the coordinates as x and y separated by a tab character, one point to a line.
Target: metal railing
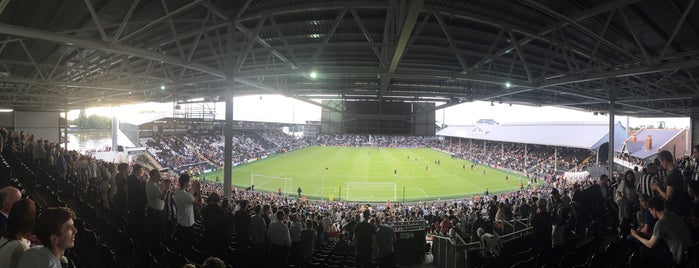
453	252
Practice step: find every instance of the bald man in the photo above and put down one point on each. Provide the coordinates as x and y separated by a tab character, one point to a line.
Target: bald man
8	196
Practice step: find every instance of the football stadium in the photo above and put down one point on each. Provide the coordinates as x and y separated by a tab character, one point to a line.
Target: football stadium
136	133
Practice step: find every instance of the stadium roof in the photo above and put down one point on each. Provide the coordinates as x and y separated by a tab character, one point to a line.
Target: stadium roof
659	138
66	54
586	135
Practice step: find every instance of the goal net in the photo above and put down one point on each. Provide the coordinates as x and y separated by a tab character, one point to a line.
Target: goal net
272	183
371	191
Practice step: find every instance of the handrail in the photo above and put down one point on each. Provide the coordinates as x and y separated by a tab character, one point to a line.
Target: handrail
448	253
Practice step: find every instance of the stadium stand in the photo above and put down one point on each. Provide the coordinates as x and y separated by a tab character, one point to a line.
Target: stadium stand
580	219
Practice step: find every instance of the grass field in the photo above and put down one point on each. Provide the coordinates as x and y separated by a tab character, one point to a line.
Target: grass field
367	174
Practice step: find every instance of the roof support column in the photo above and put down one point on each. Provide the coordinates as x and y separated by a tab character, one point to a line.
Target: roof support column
65	129
610	162
228	147
115	132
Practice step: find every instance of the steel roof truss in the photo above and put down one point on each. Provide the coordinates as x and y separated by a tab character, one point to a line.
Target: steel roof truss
452	44
368	37
96	20
676	29
327	37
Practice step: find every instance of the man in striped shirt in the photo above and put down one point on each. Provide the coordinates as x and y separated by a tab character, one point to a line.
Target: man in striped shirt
648	177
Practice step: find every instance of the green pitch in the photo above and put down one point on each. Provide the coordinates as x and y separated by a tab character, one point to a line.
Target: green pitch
371	174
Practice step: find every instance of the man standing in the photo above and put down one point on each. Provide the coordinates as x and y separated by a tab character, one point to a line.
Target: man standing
384	239
136	199
56	232
280	240
8	196
670	237
258	231
155	194
675	190
213	219
363	238
119	209
242	224
185	199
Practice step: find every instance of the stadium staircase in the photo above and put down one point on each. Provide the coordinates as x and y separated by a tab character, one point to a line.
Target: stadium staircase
202	157
152	161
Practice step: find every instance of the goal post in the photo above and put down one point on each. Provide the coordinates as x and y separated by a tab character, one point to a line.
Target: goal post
272	182
371	191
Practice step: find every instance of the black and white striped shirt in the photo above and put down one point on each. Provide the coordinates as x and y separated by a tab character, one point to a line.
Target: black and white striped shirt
644	183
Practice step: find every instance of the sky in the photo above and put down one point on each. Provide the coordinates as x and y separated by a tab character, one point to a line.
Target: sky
276	108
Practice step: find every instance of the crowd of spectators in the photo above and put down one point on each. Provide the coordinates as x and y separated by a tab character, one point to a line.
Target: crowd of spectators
556	208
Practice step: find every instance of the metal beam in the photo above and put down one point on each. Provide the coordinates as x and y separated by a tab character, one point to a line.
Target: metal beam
157	21
603	74
638	41
222	14
597	10
575	24
452	44
677	28
125	20
520	54
107	47
54	83
3	5
408	25
368	37
328	35
96	19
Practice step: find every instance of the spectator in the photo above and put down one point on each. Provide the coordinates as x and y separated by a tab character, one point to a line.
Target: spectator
670	237
542	225
308	237
156	192
8	196
258	232
119	208
56	232
342	247
185	199
491	244
647	222
675	192
648	178
280	240
213	220
213	262
363	234
136	199
242	224
19	229
385	237
624	209
295	233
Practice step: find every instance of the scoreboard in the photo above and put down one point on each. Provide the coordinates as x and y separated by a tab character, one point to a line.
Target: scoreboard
375	117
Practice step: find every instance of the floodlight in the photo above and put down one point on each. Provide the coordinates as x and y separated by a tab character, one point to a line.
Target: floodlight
508	85
314	75
162	87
